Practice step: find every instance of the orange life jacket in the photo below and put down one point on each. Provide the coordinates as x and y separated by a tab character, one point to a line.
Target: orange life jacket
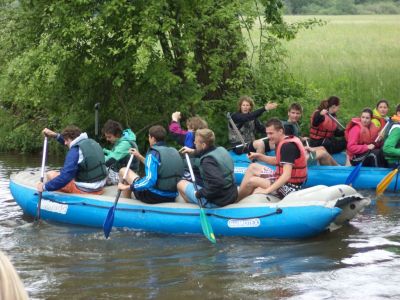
324	130
299	170
367	136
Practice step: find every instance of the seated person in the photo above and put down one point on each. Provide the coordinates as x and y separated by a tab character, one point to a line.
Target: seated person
362	146
163	169
391	146
290	161
186	137
216	171
292	127
380	112
248	125
324	127
118	156
84	169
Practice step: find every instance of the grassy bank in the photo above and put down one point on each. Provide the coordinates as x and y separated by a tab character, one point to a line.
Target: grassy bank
354	57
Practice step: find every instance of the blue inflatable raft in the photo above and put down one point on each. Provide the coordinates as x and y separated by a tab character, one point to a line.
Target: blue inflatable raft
301	214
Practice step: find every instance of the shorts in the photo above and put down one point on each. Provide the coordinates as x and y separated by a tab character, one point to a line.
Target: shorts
287	188
113	177
71	188
149	197
190	194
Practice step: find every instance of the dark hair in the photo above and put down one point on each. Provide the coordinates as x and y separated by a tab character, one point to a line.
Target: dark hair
112	127
397	108
158	132
332	100
276	123
71	132
247	99
382	101
367	110
295	106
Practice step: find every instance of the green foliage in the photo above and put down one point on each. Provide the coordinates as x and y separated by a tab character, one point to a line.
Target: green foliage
141	60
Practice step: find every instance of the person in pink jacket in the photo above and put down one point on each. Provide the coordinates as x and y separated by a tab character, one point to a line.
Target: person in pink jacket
362	146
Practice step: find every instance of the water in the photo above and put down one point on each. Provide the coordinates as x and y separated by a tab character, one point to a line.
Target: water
56	261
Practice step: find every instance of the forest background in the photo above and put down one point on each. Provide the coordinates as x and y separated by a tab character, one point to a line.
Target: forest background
143	60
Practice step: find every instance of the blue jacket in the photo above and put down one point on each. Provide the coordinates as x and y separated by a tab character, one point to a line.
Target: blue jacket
68	171
151	163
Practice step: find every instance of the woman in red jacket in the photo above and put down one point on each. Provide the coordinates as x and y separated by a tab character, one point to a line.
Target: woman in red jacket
361	135
324	127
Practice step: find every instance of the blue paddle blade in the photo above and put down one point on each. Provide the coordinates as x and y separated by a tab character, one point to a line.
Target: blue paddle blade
354	174
206	226
108	222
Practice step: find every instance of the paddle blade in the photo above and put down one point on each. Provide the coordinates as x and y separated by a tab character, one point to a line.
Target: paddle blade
382	186
206	226
354	174
108	222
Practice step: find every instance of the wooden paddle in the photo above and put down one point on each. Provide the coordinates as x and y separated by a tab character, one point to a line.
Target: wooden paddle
42	177
205	224
385	182
108	222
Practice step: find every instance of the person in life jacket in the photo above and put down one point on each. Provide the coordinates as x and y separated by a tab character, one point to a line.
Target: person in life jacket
186	137
362	141
163	169
84	169
216	171
247	122
324	128
379	117
391	146
290	161
118	156
314	154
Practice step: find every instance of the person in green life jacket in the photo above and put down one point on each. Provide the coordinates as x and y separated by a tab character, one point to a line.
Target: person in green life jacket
118	156
292	127
216	171
391	146
163	169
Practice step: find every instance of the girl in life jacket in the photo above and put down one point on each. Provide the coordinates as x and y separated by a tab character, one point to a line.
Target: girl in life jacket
362	141
324	129
380	117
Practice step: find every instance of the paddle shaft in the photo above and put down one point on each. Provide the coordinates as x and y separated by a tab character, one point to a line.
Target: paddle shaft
44	154
192	176
312	154
336	121
123	179
96	119
381	132
245	145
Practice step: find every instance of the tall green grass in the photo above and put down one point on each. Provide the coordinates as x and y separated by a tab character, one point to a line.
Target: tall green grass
354	57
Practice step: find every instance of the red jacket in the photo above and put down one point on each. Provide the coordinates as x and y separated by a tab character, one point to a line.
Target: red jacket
359	137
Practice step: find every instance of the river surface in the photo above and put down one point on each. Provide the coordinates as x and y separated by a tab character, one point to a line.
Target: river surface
57	261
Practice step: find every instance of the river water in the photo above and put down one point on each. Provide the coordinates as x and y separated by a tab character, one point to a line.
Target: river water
57	261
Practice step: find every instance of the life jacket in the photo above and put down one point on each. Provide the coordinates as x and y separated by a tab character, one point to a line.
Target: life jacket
324	130
170	170
225	164
377	119
392	159
367	136
299	170
247	130
93	167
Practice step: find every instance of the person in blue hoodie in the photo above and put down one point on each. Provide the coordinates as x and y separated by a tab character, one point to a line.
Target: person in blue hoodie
84	169
118	156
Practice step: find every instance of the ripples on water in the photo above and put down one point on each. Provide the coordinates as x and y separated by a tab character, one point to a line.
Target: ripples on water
70	262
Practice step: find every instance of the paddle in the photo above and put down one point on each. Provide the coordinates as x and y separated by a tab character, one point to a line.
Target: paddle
108	222
246	146
384	183
96	120
205	224
356	171
42	177
313	155
336	121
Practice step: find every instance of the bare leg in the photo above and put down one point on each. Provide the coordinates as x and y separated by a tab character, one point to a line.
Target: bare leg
181	189
254	184
130	177
253	170
324	158
259	146
52	174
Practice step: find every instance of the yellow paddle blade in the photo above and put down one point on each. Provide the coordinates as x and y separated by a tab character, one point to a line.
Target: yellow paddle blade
382	186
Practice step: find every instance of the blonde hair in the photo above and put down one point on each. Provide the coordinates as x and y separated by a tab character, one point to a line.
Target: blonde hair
195	123
207	136
11	286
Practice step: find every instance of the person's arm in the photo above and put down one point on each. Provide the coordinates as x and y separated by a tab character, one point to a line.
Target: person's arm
318	118
353	145
151	167
271	160
389	147
283	179
239	118
67	173
120	151
214	178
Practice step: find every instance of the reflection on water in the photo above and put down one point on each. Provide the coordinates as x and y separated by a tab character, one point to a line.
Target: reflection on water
57	261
